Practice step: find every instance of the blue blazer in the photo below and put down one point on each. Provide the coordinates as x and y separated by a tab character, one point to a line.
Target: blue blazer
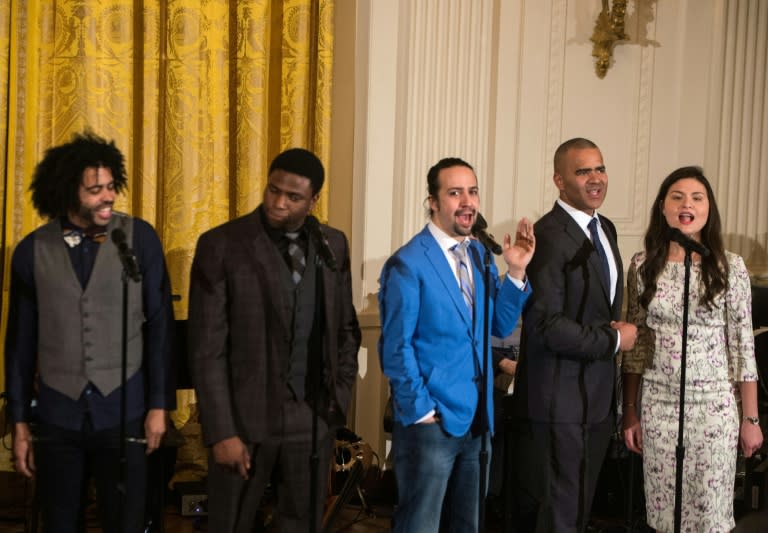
429	347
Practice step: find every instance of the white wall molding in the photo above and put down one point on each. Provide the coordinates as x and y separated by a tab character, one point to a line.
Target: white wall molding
501	83
742	148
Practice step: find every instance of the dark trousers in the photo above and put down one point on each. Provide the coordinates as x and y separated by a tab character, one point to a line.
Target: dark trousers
234	503
65	460
556	468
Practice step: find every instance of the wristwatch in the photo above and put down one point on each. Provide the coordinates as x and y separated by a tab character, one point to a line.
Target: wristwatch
755	421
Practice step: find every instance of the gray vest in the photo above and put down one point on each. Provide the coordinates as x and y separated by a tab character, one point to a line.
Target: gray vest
80	331
300	300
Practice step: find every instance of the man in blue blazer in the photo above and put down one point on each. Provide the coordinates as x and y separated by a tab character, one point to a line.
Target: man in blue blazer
431	349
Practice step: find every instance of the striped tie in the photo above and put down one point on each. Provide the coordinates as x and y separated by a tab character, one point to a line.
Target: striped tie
296	253
465	282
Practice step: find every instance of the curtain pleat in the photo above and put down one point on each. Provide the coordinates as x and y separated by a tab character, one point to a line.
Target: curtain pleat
199	95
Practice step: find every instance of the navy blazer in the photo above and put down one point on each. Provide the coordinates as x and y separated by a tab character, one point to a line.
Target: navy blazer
567	362
429	348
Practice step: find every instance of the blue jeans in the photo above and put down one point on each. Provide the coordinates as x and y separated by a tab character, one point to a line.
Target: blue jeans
436	474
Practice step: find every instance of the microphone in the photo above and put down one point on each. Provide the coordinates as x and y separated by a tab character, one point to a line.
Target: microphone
686	242
324	249
130	264
487	240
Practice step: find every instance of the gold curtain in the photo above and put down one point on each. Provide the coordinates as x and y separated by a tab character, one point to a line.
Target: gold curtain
198	94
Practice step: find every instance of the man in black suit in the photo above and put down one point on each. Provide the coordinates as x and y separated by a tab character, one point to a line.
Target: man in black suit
260	364
564	391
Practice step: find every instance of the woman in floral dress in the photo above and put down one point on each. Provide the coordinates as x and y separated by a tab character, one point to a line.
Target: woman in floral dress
721	373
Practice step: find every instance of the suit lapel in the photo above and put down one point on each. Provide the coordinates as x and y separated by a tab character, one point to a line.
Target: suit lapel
613	240
576	233
436	258
265	256
478	277
328	280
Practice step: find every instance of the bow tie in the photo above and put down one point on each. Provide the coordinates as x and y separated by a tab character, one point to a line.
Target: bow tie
73	236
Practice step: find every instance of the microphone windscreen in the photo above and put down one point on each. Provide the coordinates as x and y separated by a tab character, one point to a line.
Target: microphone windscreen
480	223
118	236
312	222
674	234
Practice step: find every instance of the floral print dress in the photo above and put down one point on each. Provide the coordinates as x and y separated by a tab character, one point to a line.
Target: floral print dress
720	353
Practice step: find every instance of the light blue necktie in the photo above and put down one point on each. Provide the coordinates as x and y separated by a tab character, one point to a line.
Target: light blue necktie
465	282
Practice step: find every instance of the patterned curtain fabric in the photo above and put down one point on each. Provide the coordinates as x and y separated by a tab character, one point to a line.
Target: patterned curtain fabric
199	96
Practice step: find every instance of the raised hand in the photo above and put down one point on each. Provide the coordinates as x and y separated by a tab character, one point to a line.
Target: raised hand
517	255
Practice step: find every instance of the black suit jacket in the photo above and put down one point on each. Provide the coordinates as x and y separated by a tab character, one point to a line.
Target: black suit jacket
567	364
240	331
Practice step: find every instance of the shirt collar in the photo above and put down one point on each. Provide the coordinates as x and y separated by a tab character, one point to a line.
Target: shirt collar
581	218
445	241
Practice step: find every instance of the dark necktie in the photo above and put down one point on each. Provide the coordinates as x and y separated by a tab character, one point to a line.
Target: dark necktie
600	251
298	259
465	283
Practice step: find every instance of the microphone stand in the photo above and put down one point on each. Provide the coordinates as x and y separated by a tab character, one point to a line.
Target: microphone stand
680	449
121	487
483	397
316	369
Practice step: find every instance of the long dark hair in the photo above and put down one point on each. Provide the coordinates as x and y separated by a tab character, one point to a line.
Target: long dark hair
714	268
58	176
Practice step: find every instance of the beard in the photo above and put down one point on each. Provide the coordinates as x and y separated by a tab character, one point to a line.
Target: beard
90	217
461	230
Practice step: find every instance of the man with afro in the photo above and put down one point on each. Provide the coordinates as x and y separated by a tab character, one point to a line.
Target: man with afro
66	344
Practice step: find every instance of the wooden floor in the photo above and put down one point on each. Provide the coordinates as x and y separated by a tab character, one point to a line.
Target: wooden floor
16	514
352	519
375	517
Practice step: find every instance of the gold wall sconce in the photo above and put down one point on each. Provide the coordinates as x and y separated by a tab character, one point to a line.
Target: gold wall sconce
609	29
